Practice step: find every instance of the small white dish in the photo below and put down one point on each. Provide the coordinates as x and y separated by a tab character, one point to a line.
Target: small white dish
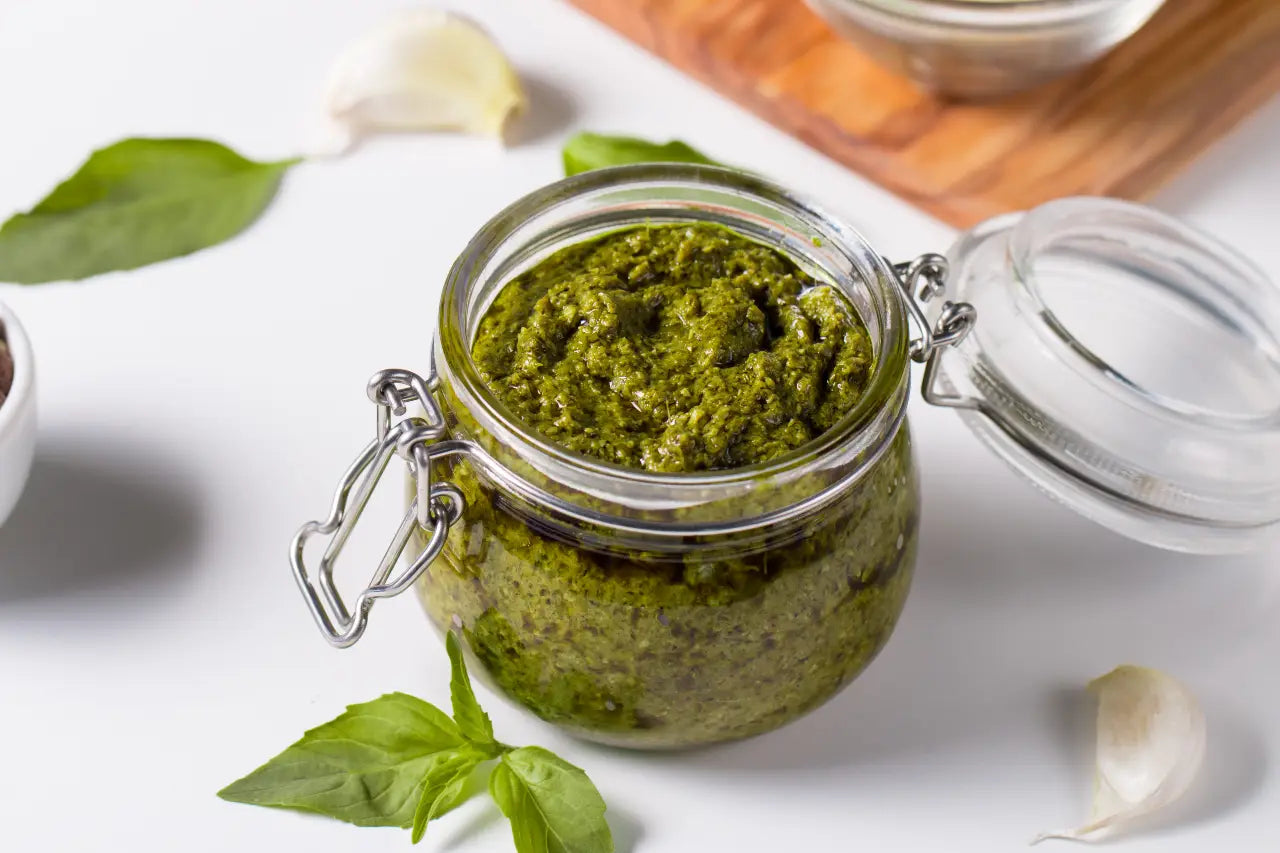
17	415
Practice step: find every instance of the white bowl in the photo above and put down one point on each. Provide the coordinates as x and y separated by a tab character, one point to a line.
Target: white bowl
17	415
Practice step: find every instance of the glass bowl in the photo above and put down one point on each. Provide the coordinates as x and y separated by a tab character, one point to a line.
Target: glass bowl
985	48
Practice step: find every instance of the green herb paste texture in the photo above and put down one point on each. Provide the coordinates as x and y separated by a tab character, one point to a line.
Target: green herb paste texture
647	653
673	348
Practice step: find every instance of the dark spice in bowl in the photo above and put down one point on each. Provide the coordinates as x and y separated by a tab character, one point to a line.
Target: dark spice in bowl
6	367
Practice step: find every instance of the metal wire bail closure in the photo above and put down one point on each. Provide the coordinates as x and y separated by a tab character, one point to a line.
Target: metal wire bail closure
419	441
922	281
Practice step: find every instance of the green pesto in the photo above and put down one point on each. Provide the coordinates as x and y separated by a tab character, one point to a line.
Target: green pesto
673	348
640	652
720	641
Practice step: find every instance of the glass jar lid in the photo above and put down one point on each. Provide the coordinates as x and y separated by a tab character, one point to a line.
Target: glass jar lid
1126	364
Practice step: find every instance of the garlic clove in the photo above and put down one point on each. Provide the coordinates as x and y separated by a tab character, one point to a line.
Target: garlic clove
1150	746
422	70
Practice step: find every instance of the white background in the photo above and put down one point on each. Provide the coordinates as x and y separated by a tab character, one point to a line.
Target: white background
153	647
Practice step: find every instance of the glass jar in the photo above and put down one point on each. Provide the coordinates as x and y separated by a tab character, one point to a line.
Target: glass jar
1129	366
665	610
985	48
650	609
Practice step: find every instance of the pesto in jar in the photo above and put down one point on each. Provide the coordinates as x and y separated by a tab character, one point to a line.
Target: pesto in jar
675	348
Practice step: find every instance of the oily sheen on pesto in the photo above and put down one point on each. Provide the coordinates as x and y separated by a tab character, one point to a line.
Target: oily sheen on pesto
676	348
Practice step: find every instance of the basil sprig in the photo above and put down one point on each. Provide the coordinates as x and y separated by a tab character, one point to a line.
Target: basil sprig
134	203
586	151
399	761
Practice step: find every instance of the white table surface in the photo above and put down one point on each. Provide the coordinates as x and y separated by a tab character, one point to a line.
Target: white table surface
152	644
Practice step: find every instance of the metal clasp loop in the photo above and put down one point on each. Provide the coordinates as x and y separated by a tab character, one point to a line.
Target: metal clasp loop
923	280
420	441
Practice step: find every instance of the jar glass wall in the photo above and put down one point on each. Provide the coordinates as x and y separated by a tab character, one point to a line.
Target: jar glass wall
657	610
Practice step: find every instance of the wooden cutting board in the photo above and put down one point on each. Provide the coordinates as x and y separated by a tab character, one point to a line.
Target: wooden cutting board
1121	127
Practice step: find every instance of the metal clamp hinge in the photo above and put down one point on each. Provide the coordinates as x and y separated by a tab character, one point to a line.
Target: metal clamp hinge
922	281
420	441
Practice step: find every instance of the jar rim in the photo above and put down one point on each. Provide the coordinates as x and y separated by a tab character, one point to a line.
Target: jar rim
885	391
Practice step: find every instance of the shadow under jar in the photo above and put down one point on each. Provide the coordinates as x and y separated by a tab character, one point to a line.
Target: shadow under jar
663	610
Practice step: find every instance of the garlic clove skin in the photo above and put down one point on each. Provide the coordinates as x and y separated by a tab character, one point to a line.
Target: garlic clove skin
1150	747
422	70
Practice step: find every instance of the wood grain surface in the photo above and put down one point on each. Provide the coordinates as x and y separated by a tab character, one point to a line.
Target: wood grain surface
1120	127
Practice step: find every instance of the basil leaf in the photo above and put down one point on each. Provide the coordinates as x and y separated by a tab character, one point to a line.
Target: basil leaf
586	151
365	767
134	203
552	805
467	713
442	789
